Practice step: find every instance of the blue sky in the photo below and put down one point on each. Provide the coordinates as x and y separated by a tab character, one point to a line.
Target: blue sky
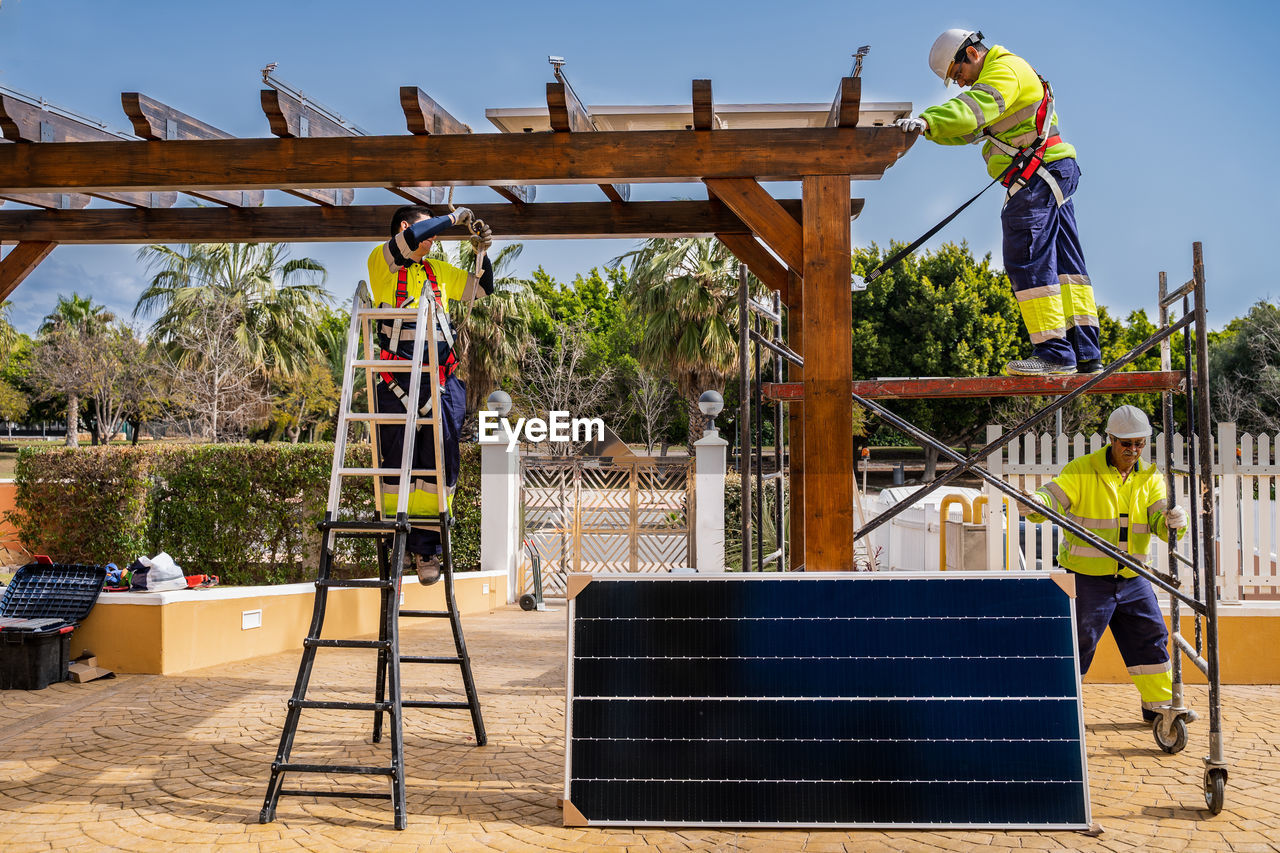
1165	103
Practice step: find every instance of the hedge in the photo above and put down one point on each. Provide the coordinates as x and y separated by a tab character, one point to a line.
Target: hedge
244	512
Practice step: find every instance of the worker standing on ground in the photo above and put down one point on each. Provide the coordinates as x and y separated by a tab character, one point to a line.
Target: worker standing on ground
1111	493
399	274
1009	108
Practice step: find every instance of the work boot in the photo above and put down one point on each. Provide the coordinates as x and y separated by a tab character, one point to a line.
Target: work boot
428	569
1037	366
1089	366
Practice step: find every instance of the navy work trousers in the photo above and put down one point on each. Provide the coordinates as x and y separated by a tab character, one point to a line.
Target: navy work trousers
1129	607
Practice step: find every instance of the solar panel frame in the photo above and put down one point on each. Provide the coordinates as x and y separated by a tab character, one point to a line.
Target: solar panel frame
1074	745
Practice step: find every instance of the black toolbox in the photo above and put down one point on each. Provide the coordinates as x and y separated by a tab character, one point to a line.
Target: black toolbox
39	609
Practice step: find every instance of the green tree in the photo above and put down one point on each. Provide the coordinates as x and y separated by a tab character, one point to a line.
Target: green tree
277	303
1244	370
937	313
72	317
684	296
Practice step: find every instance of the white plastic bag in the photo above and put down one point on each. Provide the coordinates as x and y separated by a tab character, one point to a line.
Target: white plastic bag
163	573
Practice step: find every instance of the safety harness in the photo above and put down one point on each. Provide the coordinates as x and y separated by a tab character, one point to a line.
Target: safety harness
1027	162
390	335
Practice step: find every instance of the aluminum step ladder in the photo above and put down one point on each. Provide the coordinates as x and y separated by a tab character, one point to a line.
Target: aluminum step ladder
391	535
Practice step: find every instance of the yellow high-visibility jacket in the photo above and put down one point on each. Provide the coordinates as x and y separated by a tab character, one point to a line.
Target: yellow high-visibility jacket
1124	514
1004	98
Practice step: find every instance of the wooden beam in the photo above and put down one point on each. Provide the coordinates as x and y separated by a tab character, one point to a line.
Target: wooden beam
704	110
953	388
828	357
568	114
155	121
19	263
762	213
661	156
304	223
425	117
289	118
763	265
844	109
27	123
795	420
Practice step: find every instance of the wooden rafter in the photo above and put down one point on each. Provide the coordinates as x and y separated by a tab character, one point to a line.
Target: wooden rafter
569	115
304	223
844	109
155	121
495	158
291	119
762	213
704	110
425	117
22	122
19	263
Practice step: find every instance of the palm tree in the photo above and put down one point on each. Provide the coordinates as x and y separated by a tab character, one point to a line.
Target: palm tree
278	302
684	292
8	334
75	316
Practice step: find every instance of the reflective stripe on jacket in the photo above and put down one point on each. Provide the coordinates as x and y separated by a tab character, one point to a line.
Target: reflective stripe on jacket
1124	514
1004	98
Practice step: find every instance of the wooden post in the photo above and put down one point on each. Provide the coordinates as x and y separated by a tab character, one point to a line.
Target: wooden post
795	420
20	262
828	354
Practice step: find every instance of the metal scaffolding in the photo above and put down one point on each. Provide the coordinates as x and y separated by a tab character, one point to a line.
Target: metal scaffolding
1192	382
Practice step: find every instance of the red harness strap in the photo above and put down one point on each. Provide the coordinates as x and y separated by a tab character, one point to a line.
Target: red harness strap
1028	161
449	365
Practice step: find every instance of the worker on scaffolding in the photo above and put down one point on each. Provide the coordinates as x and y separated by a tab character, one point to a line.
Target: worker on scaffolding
1123	502
399	272
1009	108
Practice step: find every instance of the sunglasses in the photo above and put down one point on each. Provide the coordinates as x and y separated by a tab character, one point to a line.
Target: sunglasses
1136	442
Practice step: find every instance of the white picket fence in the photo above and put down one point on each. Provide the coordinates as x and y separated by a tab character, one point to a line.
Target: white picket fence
1245	473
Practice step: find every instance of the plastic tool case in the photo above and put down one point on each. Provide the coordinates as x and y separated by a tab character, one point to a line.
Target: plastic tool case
38	611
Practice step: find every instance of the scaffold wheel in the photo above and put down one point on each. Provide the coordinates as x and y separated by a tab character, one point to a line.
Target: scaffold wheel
1215	789
1172	739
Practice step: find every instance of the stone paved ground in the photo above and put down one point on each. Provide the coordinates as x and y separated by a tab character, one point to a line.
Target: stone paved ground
156	763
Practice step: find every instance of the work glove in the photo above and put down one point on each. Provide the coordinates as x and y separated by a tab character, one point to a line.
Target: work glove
482	237
911	125
1176	518
462	215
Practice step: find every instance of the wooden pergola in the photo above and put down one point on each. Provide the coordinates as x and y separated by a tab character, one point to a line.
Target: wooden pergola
799	247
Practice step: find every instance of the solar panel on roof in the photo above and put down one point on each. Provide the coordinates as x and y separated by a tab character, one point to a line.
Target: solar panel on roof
877	700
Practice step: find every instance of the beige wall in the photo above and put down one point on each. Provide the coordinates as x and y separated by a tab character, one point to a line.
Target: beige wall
199	628
1248	649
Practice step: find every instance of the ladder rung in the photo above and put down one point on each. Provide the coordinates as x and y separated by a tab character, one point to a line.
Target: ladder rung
426	659
361	769
315	643
386	418
381	526
356	795
425	614
385	472
388	312
341	706
361	583
428	703
390	365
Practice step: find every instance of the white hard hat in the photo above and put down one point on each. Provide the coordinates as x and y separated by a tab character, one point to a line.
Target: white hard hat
1128	422
943	53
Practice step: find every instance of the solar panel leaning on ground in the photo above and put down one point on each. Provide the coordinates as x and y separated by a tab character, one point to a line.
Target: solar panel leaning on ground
842	700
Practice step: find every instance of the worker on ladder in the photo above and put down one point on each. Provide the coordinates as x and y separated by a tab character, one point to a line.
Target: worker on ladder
1124	502
400	273
1009	108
